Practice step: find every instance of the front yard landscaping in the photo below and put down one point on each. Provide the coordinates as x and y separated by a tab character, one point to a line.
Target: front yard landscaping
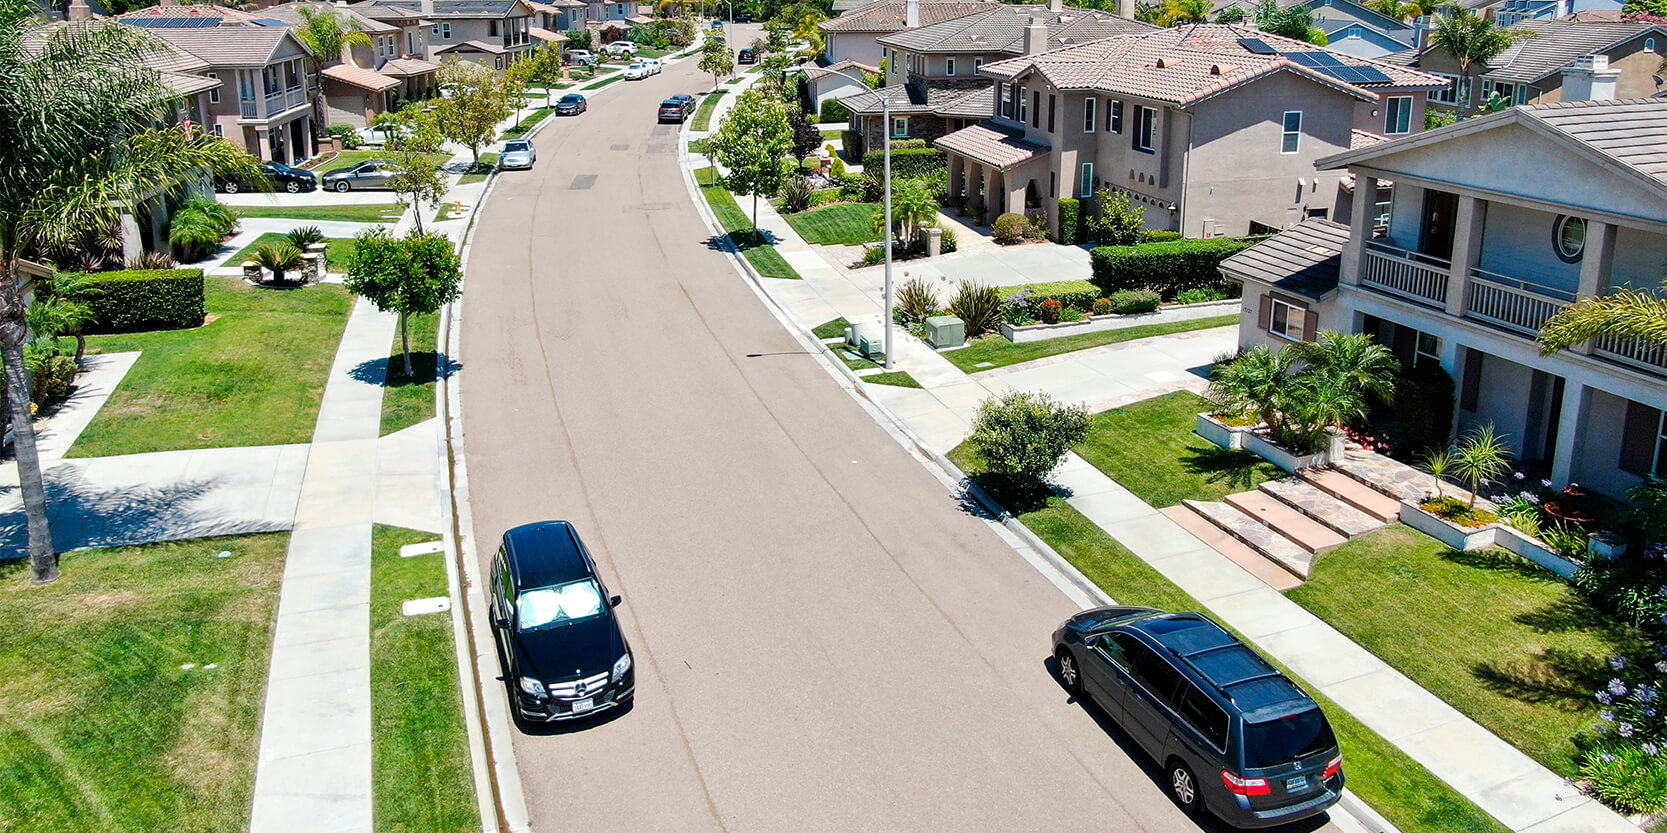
408	400
1151	449
760	253
999	352
528	122
841	224
596	85
133	686
896	378
253	375
366	213
1507	643
335	253
1395	785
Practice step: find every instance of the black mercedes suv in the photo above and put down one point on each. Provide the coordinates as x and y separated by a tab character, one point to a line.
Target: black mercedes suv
1234	735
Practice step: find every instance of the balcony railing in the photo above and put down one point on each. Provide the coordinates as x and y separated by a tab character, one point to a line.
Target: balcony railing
1411	275
1511	303
277	103
247	108
1631	351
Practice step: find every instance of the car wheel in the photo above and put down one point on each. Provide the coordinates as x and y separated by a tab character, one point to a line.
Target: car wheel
293	187
1070	673
343	187
230	187
1183	787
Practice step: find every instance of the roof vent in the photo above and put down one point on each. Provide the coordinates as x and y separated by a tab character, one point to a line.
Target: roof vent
1222	69
1168	61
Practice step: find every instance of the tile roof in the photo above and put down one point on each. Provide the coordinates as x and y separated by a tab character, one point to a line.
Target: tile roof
443	9
540	33
1302	260
916	96
992	145
407	67
225	15
1633	133
360	77
841	6
186	83
1186	65
475	45
291	13
978	104
888	15
1362	138
815	72
245	46
1001	29
558	5
1558	43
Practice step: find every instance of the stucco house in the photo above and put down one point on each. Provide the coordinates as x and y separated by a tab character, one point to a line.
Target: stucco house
1512	12
1214	129
1475	257
369	80
493	33
560	15
1351	27
853	35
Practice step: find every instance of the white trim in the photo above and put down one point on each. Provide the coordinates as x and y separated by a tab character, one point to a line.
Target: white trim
1274	303
1090	112
1400	105
900	122
1289	137
1085	188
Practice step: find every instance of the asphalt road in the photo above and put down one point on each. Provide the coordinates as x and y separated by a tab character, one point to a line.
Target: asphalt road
825	640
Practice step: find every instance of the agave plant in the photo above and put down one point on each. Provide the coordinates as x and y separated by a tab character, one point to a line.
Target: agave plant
278	258
1480	456
152	261
978	306
795	194
304	236
916	300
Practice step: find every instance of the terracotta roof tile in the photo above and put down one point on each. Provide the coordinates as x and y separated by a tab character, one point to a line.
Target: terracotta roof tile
888	15
360	77
987	143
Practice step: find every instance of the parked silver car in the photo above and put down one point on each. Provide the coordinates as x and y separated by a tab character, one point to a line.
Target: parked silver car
519	154
370	174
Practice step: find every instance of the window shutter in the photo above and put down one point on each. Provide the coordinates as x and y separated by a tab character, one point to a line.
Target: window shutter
1638	438
1264	312
1472	380
1310	324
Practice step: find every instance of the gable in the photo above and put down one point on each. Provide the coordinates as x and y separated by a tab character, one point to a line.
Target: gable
289	47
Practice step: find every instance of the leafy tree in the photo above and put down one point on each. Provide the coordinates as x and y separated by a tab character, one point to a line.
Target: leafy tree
542	67
1403	10
751	142
1654	8
807	27
79	143
1471	40
1023	435
1148	13
1182	12
579	39
716	60
1295	22
328	34
912	209
385	122
413	275
476	100
415	161
1119	222
1627	313
806	138
1232	14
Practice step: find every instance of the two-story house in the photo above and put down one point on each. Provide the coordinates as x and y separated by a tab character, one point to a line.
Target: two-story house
1351	26
1214	129
1535	70
493	33
560	15
368	80
1512	12
853	36
1477	254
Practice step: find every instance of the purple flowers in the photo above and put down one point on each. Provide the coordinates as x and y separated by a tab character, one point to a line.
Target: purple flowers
1606	716
1604	698
1644	693
1606	757
1520	476
1661	667
1617	662
1651	749
1625	730
1617	688
1545	484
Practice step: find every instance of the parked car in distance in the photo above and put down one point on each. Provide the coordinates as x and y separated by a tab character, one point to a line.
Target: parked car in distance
280	178
563	653
518	154
654	65
744	17
747	56
636	72
571	104
1234	735
687	100
673	110
370	174
581	57
717	24
620	47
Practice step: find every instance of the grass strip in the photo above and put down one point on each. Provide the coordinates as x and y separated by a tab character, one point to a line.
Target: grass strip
896	378
408	400
703	113
1151	448
532	120
839	224
833	329
1395	785
133	686
999	352
420	752
480	170
253	375
367	213
738	225
335	253
597	85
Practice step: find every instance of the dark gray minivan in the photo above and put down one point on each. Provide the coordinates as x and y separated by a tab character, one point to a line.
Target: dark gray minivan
1234	735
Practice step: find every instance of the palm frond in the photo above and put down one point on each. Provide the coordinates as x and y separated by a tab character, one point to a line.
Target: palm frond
1627	313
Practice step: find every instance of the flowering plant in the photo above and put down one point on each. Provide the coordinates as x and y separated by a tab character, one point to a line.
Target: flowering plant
1635	699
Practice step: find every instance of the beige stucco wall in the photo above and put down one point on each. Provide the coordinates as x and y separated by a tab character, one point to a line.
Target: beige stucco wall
856	46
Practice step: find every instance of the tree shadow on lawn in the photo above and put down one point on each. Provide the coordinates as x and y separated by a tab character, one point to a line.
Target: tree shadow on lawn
1557	677
1236	468
389	371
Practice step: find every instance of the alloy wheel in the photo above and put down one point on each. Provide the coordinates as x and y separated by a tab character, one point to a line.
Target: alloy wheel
1185	789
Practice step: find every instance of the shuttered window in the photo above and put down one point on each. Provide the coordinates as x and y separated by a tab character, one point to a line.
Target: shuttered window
1644	440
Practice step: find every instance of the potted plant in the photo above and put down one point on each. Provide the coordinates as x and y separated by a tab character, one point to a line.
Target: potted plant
975	209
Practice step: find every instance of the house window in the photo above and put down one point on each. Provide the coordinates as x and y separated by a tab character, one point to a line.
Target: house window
492	28
1511	93
1053	102
1285	319
497	63
1024	104
411	43
1568	238
899	128
220	130
1088	114
1053	184
977	64
1643	440
1649	44
1086	188
214	94
1448	94
1004	100
445	31
1290	139
1146	124
949	66
908	62
1398	115
1114	117
1427	352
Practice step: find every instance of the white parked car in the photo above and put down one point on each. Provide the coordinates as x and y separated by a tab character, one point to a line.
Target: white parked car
636	72
581	57
620	47
654	65
517	154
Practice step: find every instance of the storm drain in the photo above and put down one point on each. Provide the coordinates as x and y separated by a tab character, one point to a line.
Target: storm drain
582	182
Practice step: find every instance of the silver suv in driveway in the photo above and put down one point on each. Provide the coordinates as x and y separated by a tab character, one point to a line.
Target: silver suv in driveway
370	174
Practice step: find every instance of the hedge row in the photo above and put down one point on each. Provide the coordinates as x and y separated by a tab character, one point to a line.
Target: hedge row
147	299
1078	295
1071	228
1168	267
907	162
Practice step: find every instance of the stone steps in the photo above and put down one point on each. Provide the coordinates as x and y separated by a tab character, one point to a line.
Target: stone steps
1392	477
1218	539
1298	528
1354	493
1277	548
1322	506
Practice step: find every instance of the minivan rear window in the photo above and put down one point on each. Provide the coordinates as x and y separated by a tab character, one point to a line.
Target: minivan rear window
1285	739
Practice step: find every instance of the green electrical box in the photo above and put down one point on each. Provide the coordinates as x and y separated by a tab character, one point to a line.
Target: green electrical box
945	331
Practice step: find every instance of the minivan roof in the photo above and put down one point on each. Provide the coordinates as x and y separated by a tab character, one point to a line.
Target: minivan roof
545	553
1222	661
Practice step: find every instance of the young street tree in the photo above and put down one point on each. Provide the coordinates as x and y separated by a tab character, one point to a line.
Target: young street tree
542	67
412	275
716	60
78	144
806	138
415	159
476	100
751	142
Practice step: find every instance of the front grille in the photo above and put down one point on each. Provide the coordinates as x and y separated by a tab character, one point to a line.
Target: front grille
570	688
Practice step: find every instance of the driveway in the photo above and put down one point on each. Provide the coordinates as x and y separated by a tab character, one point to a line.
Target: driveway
825	640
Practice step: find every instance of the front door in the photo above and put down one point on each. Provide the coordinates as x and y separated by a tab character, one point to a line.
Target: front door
1441	211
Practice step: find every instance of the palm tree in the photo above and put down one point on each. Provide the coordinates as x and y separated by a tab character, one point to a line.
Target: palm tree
328	34
1472	40
80	142
1627	313
279	258
1402	11
1355	359
1258	380
1182	12
60	316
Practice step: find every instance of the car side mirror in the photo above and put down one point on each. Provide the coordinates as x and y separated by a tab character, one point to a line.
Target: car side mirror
502	622
614	601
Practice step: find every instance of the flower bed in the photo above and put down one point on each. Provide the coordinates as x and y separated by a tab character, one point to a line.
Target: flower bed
1480	528
1258	443
1098	323
1225	434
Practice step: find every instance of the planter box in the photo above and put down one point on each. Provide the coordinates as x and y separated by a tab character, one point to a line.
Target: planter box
1222	434
1445	531
1534	550
1281	457
1099	323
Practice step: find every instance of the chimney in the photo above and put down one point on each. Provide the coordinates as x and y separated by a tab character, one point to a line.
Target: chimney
1590	79
79	10
1036	37
911	14
1056	5
428	8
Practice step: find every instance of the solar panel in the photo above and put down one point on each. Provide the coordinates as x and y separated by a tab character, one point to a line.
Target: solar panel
267	21
1257	46
198	22
1329	64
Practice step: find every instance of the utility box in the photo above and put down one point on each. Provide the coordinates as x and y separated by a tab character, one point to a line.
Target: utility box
945	331
866	340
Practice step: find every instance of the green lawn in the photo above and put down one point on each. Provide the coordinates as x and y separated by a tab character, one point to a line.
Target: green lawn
999	352
896	378
254	375
703	113
596	85
133	686
408	400
1405	792
420	751
832	329
367	213
480	170
843	224
1509	644
1150	447
738	223
350	158
335	253
528	122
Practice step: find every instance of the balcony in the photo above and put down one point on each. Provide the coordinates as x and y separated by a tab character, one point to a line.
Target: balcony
1512	304
1631	352
1416	277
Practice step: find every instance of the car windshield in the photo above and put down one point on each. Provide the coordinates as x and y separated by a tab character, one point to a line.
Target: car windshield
1286	739
563	604
571	99
511	147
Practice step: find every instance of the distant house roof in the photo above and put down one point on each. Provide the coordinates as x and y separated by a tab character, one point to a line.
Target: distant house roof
992	145
360	77
1302	260
227	45
291	13
1001	29
1362	138
541	34
842	6
817	72
474	46
443	9
407	67
978	104
889	15
1558	43
187	84
915	97
557	5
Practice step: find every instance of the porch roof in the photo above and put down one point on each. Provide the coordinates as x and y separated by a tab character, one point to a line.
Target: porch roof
989	144
360	77
1302	260
408	67
541	34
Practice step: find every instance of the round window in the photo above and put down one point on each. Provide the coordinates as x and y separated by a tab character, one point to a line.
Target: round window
1569	238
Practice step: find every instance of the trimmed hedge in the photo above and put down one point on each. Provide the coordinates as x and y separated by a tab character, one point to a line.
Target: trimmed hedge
1078	295
908	162
141	299
850	142
1129	301
1070	222
834	110
1169	267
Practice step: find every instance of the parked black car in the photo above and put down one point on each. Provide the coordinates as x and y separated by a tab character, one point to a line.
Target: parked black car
571	104
282	178
562	651
744	17
747	56
1234	735
674	109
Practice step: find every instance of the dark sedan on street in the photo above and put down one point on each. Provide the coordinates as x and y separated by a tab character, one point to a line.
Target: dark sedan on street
571	104
563	653
280	178
747	56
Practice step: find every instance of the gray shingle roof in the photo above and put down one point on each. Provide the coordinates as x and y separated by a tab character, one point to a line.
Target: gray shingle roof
1558	43
916	96
1001	29
888	15
443	9
242	46
291	13
1302	260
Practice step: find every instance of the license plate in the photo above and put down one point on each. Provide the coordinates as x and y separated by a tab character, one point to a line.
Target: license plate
585	705
1297	784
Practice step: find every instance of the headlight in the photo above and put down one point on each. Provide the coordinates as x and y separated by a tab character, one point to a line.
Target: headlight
621	665
532	686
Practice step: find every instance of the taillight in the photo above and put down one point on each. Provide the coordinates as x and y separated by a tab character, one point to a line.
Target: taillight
1244	786
1332	767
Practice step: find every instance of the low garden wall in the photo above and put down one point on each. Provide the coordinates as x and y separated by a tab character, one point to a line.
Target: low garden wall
1098	323
1494	534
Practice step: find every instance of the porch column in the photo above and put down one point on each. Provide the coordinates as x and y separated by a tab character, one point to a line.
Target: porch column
1467	250
957	176
1015	193
994	183
1360	203
1571	432
263	140
1595	266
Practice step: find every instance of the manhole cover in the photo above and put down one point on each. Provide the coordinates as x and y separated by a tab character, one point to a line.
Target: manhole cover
619	147
582	182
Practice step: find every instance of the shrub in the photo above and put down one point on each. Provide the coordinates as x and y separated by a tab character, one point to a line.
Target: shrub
1628	776
1011	228
975	207
151	261
837	169
906	144
1049	311
1160	236
1069	315
1424	404
1036	226
916	300
347	136
1070	222
853	186
1647	508
1016	310
873	186
978	306
871	256
1117	222
909	162
51	372
146	300
1104	306
1628	586
795	194
1022	435
1169	268
1201	295
304	236
199	225
1078	295
948	243
834	110
851	142
1129	301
